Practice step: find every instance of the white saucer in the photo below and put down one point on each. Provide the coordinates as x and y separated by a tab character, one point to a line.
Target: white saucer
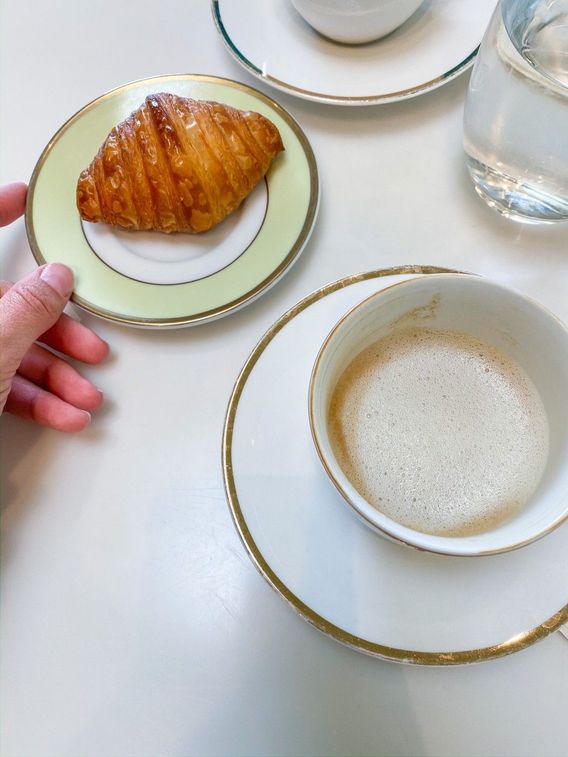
274	43
375	596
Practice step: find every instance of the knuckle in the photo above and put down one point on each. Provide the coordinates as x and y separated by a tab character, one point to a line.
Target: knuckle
35	408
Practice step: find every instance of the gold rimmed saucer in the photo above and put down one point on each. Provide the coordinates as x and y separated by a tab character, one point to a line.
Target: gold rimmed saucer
437	43
317	557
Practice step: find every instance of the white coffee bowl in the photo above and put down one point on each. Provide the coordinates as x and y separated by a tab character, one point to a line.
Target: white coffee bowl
521	328
355	21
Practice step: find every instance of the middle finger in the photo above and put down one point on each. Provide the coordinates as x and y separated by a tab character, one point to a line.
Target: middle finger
50	372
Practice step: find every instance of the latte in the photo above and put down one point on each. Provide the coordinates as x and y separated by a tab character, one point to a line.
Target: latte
439	431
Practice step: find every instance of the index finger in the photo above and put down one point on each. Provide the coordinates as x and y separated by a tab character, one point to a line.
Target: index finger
75	340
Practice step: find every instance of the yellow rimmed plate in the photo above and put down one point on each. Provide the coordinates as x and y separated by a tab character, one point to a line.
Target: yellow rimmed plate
373	595
155	280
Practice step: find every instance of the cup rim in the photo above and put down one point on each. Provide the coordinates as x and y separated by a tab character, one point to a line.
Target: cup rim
382	522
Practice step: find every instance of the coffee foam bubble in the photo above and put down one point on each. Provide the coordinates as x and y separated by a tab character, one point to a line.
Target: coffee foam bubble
439	431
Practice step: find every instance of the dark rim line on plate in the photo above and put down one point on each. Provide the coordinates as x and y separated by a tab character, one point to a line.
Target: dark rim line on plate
257	290
514	644
191	281
389	97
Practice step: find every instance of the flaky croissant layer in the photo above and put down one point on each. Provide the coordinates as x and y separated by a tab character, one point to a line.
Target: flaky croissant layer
177	164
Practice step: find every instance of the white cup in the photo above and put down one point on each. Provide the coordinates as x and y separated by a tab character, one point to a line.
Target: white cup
522	329
355	21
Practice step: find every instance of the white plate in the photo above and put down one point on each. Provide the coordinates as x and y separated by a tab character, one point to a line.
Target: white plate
274	43
373	595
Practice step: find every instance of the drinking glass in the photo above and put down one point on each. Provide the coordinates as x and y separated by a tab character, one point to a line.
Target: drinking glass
516	112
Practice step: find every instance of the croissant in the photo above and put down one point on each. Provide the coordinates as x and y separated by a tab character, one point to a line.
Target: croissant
177	164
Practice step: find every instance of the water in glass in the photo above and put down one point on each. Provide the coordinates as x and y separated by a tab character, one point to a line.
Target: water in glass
516	113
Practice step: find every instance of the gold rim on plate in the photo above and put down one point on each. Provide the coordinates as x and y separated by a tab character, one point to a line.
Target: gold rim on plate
514	644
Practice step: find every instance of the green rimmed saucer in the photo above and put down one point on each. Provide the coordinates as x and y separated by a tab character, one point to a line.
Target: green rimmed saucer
149	279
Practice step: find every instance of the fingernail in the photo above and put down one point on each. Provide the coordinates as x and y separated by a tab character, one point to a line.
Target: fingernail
58	277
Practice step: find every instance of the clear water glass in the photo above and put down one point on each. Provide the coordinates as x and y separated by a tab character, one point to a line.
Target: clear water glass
516	112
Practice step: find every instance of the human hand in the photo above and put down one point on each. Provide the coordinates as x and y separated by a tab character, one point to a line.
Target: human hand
34	382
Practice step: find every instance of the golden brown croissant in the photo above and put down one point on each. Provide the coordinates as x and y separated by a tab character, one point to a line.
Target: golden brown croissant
177	164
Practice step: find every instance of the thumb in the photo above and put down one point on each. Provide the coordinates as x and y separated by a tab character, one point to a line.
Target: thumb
28	309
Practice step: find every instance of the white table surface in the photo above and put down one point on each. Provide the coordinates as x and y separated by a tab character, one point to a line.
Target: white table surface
133	622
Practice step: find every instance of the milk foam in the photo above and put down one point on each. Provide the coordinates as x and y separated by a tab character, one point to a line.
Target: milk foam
439	431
